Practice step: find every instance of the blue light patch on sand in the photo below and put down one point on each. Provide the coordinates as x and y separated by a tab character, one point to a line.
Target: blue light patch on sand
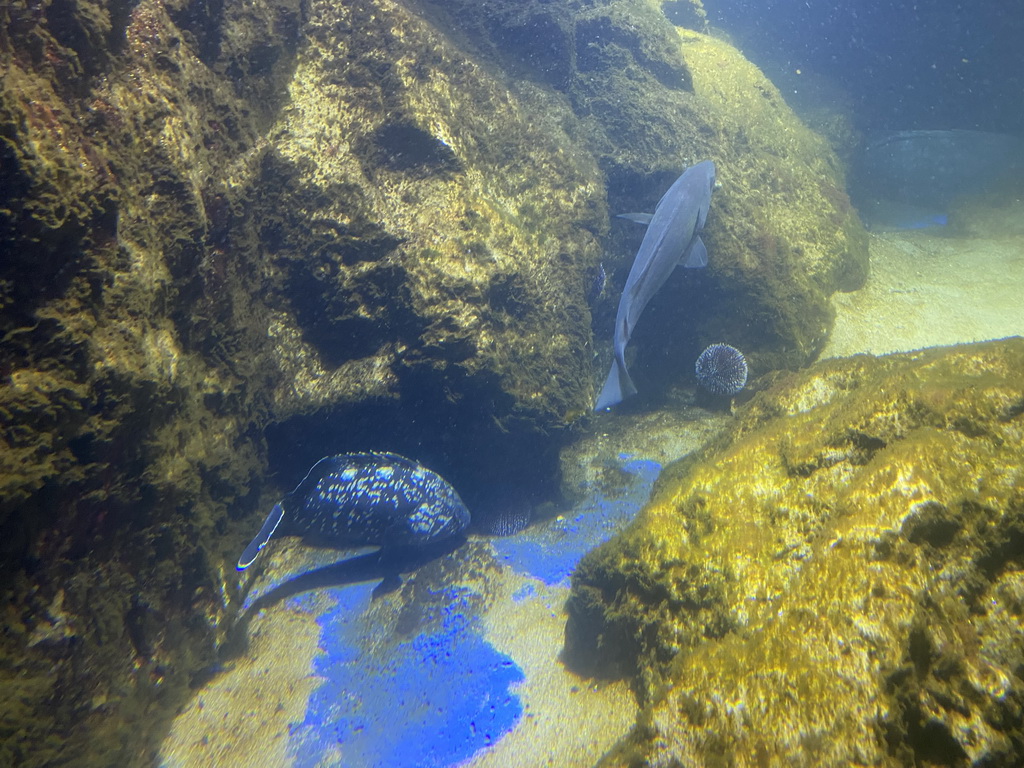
434	699
304	603
550	551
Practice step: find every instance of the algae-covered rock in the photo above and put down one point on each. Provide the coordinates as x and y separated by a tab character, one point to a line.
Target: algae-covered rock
836	581
429	234
325	223
782	235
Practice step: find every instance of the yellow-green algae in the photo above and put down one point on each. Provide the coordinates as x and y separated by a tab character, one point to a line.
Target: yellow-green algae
783	232
837	581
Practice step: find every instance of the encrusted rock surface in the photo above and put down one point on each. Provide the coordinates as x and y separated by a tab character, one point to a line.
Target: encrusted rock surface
836	581
239	236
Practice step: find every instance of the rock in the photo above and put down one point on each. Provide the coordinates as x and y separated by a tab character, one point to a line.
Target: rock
835	581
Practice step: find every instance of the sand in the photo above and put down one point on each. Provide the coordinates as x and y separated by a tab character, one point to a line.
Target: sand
928	288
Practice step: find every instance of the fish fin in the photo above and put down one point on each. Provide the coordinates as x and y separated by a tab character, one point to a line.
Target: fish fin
323	467
696	256
617	387
256	545
639	218
388	584
397	459
702	216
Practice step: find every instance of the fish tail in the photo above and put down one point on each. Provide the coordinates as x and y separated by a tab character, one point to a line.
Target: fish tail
617	387
257	544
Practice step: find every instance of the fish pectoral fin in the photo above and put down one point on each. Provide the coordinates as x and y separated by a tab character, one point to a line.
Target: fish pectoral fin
639	218
696	256
257	544
388	584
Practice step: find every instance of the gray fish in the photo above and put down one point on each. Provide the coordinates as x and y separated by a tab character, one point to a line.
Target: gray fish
357	499
933	169
672	238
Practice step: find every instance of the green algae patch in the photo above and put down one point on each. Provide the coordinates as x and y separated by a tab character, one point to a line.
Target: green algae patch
241	228
832	582
647	100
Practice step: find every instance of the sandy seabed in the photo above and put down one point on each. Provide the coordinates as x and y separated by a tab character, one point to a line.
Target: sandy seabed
930	288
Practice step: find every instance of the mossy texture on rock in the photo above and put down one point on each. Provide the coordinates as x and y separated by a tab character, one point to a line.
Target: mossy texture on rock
781	235
787	234
433	224
213	230
128	440
836	581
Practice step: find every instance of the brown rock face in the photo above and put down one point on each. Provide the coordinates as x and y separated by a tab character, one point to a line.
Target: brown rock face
837	581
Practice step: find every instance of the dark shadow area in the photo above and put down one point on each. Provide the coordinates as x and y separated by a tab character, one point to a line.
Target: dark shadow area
500	473
404	146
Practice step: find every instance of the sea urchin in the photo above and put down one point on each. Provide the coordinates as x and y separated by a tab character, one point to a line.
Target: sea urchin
721	369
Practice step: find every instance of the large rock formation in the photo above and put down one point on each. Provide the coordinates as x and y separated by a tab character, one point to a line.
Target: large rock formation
838	581
782	235
237	237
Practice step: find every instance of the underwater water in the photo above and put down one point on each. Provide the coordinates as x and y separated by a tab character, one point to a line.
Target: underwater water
238	239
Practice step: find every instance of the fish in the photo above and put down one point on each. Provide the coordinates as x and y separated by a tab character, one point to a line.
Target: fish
360	499
935	169
509	519
672	238
881	215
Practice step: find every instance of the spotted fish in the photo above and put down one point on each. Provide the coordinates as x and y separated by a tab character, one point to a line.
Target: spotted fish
357	499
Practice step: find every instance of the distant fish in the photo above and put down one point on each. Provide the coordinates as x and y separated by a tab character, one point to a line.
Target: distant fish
934	169
673	237
358	499
722	370
893	216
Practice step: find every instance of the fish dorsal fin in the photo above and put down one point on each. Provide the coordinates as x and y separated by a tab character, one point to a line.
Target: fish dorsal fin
257	544
395	458
382	457
324	466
